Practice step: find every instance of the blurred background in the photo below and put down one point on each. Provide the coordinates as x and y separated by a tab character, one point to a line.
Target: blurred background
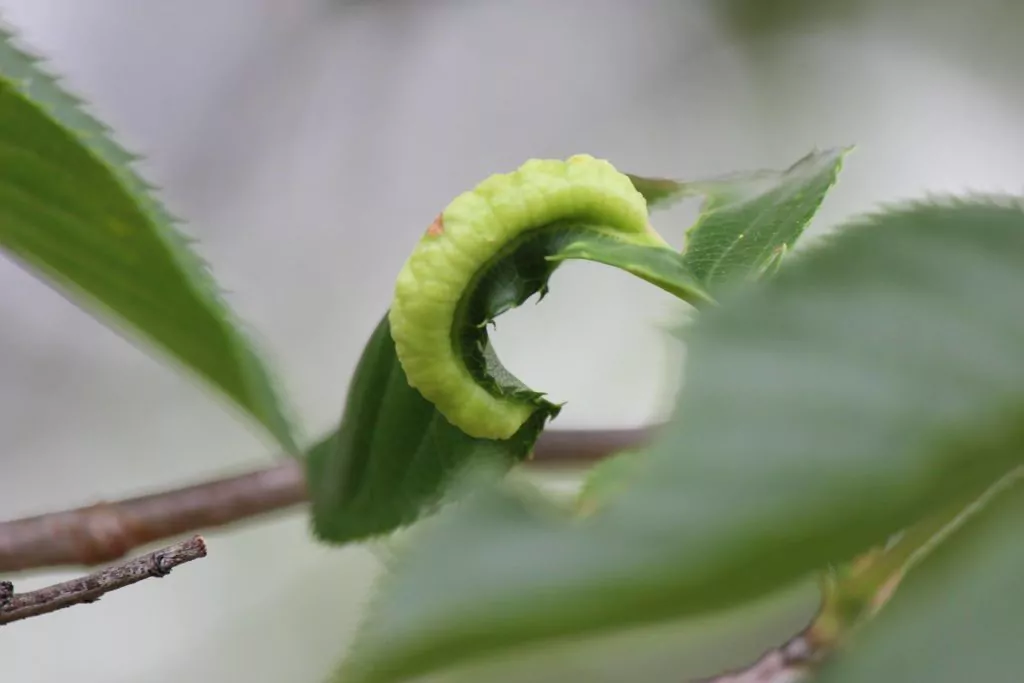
307	144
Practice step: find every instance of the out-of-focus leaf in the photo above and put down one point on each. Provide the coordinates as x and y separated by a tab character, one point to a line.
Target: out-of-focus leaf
752	21
957	617
608	479
74	213
870	383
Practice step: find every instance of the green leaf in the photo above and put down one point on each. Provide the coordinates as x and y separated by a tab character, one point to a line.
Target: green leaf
749	221
608	479
396	454
871	382
661	267
73	212
957	617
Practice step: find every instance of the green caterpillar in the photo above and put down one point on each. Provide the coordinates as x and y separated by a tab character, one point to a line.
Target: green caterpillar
463	240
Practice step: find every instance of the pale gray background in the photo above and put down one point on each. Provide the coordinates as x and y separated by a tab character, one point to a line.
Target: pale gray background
309	142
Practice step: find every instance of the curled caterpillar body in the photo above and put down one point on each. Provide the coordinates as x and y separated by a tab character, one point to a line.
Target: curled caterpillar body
468	235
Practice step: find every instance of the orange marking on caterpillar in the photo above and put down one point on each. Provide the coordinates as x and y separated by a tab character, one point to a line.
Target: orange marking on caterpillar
436	228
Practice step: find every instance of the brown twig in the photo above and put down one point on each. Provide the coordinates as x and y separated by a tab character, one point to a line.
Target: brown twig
107	531
17	606
791	663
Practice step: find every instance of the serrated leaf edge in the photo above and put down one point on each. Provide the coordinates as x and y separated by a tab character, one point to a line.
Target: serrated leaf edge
43	90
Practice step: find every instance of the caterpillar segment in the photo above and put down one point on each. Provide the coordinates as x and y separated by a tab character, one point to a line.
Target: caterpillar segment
463	241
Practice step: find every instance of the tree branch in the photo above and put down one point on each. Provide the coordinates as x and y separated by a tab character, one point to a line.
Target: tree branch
17	606
793	662
107	531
